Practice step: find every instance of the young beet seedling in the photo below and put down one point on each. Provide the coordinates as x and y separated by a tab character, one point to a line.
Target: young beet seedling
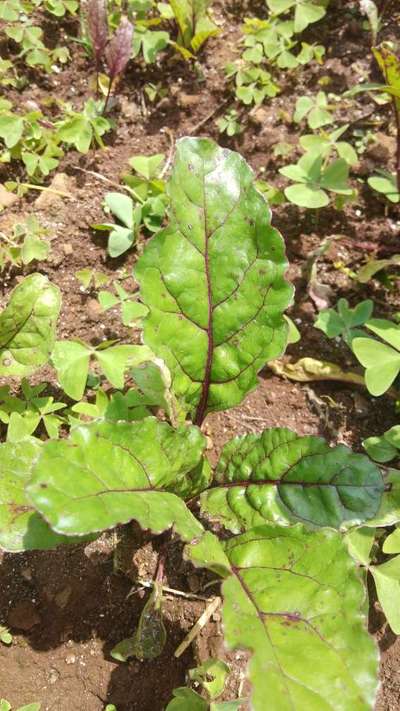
213	283
115	52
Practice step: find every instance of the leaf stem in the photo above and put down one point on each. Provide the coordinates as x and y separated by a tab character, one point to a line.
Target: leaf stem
110	83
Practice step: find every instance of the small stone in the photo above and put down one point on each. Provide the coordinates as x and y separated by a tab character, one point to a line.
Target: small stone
70	659
54	675
26	573
67	248
6	197
260	116
93	309
187	101
61	183
23	616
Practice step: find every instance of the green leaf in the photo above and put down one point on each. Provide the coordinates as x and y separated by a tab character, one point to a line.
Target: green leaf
280	477
387	330
121	206
213	280
373	266
392	542
212	676
71	361
359	542
186	700
34	248
21	527
379	449
116	360
120	240
295	599
112	473
306	13
78	131
385	184
387	582
382	364
306	196
27	326
148	166
389	510
11	129
335	177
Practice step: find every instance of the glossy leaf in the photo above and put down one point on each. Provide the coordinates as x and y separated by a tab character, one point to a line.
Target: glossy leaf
150	637
382	362
295	599
213	280
111	473
387	582
27	326
21	527
211	675
359	542
186	700
71	360
391	544
280	477
385	448
389	509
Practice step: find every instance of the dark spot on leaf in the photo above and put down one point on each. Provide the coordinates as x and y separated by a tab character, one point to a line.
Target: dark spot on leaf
43	486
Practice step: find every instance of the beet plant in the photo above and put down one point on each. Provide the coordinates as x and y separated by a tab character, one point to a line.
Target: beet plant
272	520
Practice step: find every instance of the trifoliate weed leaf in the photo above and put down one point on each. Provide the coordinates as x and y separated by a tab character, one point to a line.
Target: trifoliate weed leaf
278	476
213	280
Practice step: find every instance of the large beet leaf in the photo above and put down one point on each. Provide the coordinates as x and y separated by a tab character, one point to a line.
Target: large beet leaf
111	473
21	527
295	599
277	476
213	280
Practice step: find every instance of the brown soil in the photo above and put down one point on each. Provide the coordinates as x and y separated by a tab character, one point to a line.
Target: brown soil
67	608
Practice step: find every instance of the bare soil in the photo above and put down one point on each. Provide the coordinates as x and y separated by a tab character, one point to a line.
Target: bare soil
68	608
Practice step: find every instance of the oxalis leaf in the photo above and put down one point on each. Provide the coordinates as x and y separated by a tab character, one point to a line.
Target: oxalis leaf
111	473
213	280
21	527
295	599
277	476
27	326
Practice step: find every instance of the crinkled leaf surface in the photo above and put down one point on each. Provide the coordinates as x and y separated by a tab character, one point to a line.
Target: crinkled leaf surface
110	473
296	600
281	477
213	280
27	326
21	527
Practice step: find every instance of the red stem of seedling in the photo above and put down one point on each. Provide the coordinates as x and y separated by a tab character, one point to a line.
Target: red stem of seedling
160	569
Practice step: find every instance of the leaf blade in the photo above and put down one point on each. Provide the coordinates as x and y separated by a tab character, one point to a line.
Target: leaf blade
208	323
